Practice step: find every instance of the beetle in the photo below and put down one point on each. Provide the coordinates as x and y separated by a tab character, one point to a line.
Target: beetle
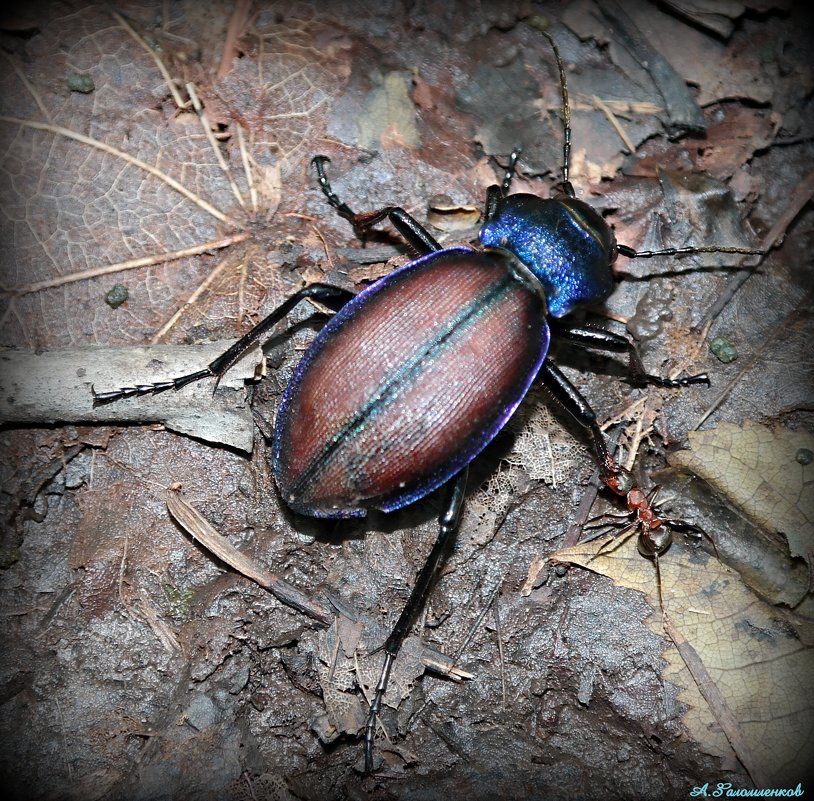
410	379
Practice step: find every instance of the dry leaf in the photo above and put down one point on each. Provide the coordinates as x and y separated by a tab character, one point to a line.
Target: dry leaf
760	659
766	472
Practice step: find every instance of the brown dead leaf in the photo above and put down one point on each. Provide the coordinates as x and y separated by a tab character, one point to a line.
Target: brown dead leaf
124	175
732	141
337	676
388	119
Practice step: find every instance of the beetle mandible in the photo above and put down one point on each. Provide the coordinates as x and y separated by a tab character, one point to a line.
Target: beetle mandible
414	376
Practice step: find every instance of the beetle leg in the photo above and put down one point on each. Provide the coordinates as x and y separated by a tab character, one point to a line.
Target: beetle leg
447	526
624	250
596	338
413	232
418	237
343	208
332	297
612	474
494	193
493	197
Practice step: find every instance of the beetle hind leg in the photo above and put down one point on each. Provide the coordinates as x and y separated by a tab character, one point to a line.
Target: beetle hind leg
448	522
332	297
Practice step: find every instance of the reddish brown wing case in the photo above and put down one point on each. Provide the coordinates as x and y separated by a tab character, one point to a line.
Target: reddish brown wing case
409	382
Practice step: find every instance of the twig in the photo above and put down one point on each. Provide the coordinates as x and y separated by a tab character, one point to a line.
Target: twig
202	287
476	625
571	537
198	527
210	137
176	95
241	291
143	165
783	325
683	112
717	704
247	167
501	655
237	24
55	386
132	264
631	148
324	246
619	108
21	75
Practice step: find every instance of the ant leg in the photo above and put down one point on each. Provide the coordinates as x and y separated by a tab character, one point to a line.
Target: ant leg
692	532
447	526
596	338
413	232
332	297
614	541
612	474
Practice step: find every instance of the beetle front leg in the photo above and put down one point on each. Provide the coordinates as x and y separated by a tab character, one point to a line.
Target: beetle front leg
596	338
610	471
418	237
448	522
332	297
494	193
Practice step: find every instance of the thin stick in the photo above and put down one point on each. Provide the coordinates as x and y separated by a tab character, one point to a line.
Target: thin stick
19	73
143	165
195	524
237	23
39	388
144	261
200	529
502	656
176	95
202	287
620	108
580	517
241	292
784	325
207	128
717	704
247	167
617	126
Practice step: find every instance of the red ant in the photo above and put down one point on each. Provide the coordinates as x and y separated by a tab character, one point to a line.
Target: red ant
655	532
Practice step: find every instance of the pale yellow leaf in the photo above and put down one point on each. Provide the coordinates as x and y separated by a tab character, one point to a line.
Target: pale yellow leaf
759	657
766	472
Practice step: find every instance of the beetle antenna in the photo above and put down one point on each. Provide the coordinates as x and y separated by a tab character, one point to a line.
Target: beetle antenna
566	118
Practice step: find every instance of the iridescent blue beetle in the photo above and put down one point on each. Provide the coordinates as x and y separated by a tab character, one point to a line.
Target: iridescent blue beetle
413	377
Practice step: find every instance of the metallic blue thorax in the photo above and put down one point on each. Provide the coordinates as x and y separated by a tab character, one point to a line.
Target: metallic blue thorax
564	242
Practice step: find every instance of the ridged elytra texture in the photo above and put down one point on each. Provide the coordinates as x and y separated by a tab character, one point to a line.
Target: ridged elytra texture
408	383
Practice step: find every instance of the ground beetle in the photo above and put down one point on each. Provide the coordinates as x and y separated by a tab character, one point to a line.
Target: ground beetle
414	376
